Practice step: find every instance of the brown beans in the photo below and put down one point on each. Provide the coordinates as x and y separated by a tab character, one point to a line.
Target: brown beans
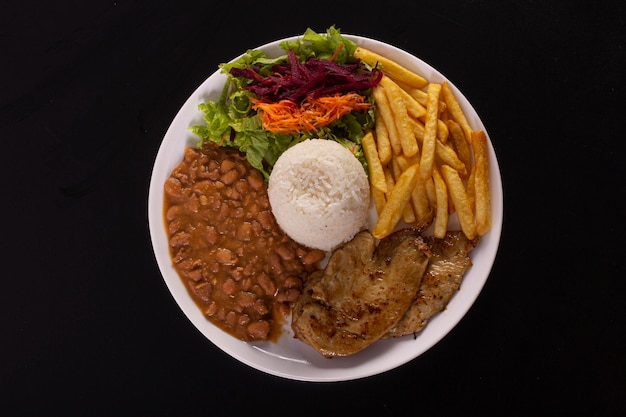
240	268
173	188
289	295
246	299
292	282
259	330
244	232
313	257
229	286
230	177
260	307
211	235
224	256
255	179
227	165
180	239
285	252
267	284
266	219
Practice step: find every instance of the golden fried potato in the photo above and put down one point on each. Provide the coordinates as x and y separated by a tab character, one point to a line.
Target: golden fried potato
429	142
376	174
454	108
418	130
399	164
386	113
448	156
424	133
458	195
482	196
382	139
421	96
379	200
391	182
398	199
417	94
441	216
460	143
390	67
396	101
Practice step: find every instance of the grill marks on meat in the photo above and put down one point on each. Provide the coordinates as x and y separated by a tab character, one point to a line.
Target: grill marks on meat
369	292
363	292
442	280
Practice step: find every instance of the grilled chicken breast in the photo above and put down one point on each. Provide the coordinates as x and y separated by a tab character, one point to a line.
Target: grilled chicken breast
443	277
363	292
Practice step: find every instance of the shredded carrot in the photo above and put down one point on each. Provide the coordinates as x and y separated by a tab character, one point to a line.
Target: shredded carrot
288	117
339	49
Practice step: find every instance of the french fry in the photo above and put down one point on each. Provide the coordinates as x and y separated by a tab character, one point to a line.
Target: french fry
423	211
389	179
396	101
419	197
460	143
376	174
408	215
470	188
458	195
418	129
454	108
395	168
414	108
406	161
430	192
444	152
420	95
379	200
398	199
442	130
382	139
444	117
382	104
429	143
420	201
448	156
441	217
390	67
481	183
426	142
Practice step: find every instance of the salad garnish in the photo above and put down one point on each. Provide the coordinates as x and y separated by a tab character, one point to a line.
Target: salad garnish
288	117
316	77
316	89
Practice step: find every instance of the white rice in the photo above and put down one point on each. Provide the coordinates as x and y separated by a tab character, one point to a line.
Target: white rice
319	193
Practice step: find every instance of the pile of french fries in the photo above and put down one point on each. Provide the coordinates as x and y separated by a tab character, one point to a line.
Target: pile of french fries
425	160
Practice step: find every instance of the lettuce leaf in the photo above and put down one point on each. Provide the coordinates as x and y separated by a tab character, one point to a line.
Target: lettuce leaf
323	46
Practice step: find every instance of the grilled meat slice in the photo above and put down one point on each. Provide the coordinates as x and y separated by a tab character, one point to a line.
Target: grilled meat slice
363	292
443	277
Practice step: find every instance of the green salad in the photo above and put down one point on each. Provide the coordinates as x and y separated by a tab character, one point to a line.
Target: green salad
313	80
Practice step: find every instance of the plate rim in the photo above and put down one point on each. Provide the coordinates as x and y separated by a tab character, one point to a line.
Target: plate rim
292	369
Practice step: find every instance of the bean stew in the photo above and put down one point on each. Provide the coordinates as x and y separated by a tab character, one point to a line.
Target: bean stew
240	268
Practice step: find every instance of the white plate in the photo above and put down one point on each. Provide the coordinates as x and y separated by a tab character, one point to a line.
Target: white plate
288	357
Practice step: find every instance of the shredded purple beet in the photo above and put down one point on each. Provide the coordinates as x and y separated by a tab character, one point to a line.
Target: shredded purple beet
316	77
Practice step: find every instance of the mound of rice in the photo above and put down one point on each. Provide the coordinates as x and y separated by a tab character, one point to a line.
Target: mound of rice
319	193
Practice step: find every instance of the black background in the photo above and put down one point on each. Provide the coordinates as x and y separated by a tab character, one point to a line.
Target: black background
88	327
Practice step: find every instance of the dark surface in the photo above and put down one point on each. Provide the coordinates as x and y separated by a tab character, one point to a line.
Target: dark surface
87	91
